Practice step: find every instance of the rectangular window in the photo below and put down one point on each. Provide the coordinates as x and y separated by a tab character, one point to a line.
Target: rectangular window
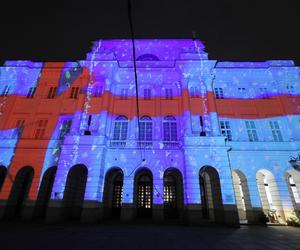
169	94
98	91
194	92
226	130
264	93
74	92
31	92
20	127
242	92
65	128
290	89
5	91
251	131
52	93
124	94
276	131
147	94
40	129
219	93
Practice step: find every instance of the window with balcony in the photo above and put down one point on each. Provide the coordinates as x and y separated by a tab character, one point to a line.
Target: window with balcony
251	131
226	130
120	131
145	131
276	132
219	93
52	92
170	131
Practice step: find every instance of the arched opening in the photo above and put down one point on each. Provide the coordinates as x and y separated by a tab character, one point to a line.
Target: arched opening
144	193
74	191
19	192
173	193
113	192
269	195
242	195
45	192
3	172
293	182
211	196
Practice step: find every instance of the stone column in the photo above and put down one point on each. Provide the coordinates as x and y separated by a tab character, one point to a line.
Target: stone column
128	211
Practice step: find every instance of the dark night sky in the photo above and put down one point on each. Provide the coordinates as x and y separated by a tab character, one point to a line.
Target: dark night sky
232	30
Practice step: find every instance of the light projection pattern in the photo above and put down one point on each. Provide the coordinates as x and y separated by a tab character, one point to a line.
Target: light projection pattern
250	92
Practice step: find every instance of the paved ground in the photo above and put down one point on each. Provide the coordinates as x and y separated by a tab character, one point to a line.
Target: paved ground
14	235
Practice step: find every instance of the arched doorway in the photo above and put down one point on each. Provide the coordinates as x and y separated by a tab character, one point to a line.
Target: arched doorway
45	192
144	193
19	192
211	196
269	195
3	172
242	195
173	193
74	191
113	191
293	182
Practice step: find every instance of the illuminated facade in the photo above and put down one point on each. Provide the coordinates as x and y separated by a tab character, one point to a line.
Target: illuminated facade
211	142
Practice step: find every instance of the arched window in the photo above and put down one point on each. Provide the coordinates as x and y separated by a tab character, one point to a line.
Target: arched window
170	128
145	129
120	128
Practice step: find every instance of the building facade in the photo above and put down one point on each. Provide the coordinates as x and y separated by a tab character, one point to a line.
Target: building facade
210	140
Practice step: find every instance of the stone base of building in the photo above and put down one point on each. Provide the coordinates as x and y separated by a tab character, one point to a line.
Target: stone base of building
128	213
92	212
193	214
55	211
231	217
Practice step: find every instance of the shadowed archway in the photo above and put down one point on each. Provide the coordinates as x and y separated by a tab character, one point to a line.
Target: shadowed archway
173	194
19	192
3	172
211	196
143	184
113	191
45	192
74	192
242	195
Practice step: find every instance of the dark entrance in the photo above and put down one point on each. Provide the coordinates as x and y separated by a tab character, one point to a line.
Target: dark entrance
203	198
211	196
19	192
144	194
113	191
74	191
117	196
172	193
3	172
45	193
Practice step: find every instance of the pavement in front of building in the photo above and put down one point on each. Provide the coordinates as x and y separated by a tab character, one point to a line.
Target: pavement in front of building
16	235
